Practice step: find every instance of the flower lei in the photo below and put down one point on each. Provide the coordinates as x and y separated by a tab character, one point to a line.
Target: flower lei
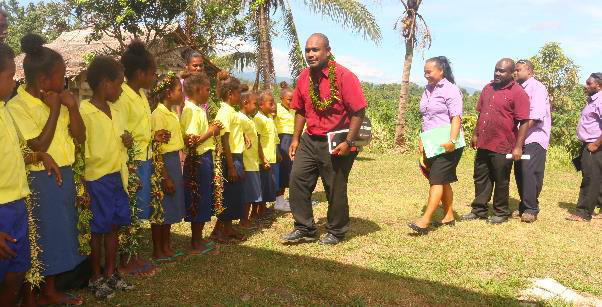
218	174
323	104
33	275
166	82
218	177
190	165
130	239
82	201
156	190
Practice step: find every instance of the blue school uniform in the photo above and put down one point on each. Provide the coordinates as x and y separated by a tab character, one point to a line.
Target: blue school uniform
109	203
173	205
233	191
203	176
13	221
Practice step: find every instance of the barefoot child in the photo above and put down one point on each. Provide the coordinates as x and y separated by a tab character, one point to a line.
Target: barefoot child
15	253
168	94
105	154
232	140
139	69
47	117
285	125
268	140
198	135
252	183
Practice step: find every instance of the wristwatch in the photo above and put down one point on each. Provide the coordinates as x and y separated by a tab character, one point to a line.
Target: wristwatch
350	143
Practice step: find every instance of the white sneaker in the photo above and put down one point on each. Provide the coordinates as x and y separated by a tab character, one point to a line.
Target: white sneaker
278	204
286	206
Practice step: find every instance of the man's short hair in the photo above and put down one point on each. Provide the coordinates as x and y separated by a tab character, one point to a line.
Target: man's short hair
528	63
323	37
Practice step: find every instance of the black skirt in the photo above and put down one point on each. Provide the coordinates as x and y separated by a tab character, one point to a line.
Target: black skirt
443	167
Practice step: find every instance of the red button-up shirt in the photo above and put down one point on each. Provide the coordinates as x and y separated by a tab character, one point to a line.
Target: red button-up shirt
500	111
338	115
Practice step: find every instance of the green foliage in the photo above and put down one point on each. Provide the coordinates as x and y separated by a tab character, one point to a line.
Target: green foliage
148	20
558	73
48	18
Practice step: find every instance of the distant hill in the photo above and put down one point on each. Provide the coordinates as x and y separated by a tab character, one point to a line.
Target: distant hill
249	76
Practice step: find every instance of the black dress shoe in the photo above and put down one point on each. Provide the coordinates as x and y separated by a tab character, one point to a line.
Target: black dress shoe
298	236
496	220
419	230
330	239
439	223
471	217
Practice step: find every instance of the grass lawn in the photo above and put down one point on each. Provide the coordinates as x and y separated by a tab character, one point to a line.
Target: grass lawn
381	262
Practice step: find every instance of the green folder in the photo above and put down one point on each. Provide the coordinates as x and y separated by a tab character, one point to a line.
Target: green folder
432	140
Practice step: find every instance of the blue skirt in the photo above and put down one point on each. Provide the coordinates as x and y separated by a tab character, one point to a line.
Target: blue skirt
286	164
269	178
143	196
13	221
252	188
233	191
173	205
109	203
203	177
56	218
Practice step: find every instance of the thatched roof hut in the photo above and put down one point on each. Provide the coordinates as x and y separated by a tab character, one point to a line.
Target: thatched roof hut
74	48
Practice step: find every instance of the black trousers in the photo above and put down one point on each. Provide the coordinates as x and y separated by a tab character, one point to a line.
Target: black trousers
312	159
529	178
491	174
590	184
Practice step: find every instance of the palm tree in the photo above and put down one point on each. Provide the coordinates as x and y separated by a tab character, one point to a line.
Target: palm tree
416	34
349	13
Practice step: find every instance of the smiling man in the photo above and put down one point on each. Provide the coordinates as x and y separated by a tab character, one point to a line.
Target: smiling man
502	106
324	109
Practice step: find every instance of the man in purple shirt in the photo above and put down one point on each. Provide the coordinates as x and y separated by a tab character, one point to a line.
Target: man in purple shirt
589	132
529	173
503	104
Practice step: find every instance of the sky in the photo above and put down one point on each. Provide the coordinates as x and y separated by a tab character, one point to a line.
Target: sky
473	34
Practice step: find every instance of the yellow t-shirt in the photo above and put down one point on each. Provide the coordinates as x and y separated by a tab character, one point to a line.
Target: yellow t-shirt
104	151
231	123
194	121
250	155
285	120
163	118
267	135
136	112
13	179
30	115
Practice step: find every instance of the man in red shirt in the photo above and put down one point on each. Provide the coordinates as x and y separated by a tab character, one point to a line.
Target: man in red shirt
324	109
503	104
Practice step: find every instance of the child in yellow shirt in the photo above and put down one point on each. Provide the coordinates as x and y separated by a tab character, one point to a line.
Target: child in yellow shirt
105	158
168	93
139	68
233	143
198	167
285	125
268	140
252	182
15	253
47	117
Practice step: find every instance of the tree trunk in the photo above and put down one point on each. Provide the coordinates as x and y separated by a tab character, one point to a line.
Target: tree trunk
403	96
265	61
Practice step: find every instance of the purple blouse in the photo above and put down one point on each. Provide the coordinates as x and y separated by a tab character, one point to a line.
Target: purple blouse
539	111
439	104
589	128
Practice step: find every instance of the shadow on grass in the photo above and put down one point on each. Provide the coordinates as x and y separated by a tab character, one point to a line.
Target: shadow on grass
250	276
357	227
571	208
360	158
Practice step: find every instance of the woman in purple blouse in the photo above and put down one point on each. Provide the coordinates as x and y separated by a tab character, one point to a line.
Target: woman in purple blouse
441	104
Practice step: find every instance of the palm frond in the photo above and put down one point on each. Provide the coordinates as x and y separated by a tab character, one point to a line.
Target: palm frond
349	13
295	55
